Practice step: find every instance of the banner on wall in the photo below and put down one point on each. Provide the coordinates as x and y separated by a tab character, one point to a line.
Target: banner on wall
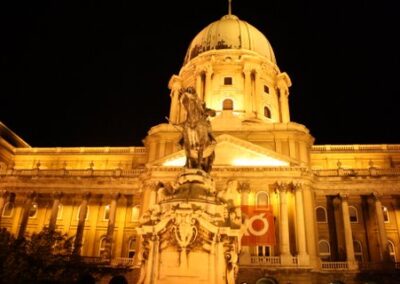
259	228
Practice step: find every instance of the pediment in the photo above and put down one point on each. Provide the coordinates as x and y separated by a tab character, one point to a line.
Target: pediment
232	151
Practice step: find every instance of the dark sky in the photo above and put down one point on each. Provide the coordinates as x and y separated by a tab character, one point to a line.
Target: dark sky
95	73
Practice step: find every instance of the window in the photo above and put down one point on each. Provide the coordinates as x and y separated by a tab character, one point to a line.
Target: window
106	215
8	209
320	212
324	250
228	81
392	251
262	199
358	254
102	246
227	104
385	214
132	248
267	112
87	212
263	250
59	212
33	210
353	214
266	89
135	214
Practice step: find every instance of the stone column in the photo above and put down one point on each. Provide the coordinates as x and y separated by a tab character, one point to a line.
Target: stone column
175	84
111	225
303	257
284	104
348	235
257	96
119	240
284	242
161	149
247	93
244	189
383	240
151	267
310	229
152	150
25	214
54	211
149	189
208	83
81	223
174	111
3	198
199	84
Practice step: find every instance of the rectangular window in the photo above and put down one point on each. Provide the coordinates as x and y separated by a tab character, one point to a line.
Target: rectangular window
228	81
263	250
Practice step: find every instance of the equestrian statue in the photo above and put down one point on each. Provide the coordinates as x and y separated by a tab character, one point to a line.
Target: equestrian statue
197	138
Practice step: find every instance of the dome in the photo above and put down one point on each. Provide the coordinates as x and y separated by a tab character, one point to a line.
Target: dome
230	33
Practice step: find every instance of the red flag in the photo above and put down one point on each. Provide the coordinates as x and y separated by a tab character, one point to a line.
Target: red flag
259	228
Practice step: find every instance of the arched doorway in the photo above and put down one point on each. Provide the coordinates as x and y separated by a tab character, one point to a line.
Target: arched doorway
267	280
119	279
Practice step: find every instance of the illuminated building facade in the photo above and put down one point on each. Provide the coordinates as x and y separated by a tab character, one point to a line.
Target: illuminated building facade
336	207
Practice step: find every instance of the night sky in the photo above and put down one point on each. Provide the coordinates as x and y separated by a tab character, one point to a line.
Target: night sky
95	73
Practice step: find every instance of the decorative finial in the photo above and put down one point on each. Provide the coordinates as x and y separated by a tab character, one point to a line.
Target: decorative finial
229	7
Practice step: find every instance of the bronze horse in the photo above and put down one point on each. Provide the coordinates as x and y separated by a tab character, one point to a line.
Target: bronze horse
198	140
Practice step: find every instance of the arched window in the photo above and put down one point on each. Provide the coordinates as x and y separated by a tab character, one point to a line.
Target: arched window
60	212
353	213
33	210
267	112
102	246
392	251
262	199
385	214
227	104
8	210
87	212
321	215
106	215
358	252
324	250
135	214
132	247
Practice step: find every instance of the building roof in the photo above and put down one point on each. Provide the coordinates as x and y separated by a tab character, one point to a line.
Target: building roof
230	33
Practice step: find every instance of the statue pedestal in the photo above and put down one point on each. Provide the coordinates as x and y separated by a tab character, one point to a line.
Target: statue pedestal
189	239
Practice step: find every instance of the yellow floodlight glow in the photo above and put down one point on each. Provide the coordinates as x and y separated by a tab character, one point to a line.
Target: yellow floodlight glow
264	162
178	162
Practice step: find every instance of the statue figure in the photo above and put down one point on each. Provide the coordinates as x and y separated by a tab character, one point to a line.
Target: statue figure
198	140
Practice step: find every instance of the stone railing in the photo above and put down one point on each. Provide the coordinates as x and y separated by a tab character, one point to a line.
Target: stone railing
122	261
118	261
94	260
266	260
272	261
334	265
356	148
73	173
379	265
357	172
82	150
